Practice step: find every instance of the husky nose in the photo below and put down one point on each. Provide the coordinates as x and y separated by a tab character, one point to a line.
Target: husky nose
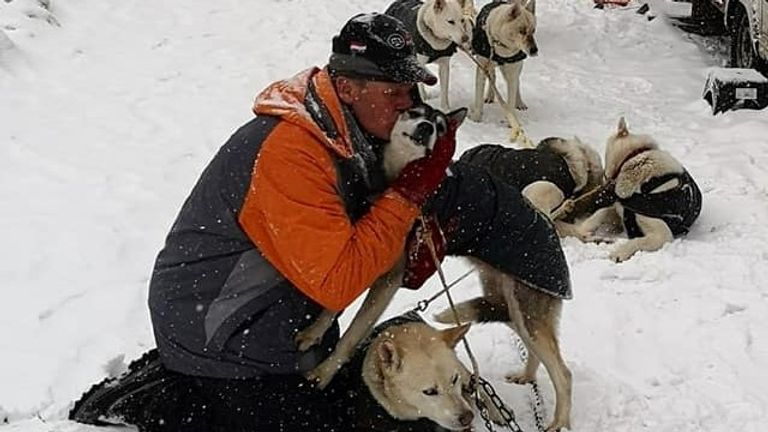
465	419
534	50
423	132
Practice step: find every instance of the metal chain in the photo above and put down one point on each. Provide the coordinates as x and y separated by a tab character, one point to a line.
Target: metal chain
507	414
537	404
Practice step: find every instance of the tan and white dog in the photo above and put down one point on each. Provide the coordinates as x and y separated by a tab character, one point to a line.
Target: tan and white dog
411	370
556	170
531	312
503	38
438	28
649	195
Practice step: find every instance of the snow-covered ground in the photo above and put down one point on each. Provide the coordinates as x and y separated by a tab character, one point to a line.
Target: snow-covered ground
109	110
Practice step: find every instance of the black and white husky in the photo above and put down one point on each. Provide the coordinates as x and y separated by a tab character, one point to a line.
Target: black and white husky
438	27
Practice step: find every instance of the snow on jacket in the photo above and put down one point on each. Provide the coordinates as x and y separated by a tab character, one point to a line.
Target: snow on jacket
278	227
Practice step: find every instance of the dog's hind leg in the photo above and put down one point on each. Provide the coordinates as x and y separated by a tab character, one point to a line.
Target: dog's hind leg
656	234
586	230
478	309
379	296
539	314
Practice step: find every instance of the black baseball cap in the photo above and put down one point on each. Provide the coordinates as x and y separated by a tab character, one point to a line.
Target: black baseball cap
377	46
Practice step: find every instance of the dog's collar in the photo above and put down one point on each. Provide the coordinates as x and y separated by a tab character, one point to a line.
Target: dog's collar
631	155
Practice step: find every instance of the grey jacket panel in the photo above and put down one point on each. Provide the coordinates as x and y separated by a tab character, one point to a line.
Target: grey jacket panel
211	289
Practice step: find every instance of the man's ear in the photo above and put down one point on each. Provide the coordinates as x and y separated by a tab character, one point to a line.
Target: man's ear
346	89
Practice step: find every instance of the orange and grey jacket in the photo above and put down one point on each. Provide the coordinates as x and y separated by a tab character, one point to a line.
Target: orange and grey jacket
280	225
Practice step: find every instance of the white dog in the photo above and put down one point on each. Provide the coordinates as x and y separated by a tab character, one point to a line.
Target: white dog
503	37
648	193
438	28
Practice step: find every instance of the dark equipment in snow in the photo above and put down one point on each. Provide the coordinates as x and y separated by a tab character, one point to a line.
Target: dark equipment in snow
732	89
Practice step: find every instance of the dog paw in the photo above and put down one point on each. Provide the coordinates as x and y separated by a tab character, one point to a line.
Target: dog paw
475	115
305	340
621	254
558	425
519	378
520	105
489	99
322	375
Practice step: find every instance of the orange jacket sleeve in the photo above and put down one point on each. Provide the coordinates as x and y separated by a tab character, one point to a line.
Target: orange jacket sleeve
294	214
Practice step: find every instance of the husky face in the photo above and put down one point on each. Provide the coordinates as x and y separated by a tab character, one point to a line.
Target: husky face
449	20
512	29
414	136
419	375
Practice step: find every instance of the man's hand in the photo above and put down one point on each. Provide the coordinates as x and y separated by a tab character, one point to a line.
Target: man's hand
419	262
420	178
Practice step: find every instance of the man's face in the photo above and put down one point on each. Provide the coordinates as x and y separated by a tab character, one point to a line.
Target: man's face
376	104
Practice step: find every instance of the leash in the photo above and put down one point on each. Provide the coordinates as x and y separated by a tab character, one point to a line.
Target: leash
567	205
477	382
518	134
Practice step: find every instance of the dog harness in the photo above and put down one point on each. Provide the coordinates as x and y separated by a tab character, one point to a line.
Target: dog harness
678	207
481	44
407	12
521	167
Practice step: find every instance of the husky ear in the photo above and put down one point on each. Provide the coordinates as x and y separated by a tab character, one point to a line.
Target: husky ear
453	335
439	5
514	11
388	356
457	116
531	6
622	129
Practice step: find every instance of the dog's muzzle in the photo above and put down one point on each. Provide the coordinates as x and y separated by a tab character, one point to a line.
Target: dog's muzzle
423	133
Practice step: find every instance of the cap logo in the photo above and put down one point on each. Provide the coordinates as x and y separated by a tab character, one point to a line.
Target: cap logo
357	47
396	41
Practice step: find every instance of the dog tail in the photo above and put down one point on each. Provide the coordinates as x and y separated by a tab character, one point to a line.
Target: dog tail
478	310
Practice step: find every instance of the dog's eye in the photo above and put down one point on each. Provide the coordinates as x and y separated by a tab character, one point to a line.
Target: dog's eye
452	22
432	391
455	379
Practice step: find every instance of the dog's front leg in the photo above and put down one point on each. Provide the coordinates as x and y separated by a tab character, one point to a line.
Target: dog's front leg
444	74
511	73
379	296
476	113
311	335
656	233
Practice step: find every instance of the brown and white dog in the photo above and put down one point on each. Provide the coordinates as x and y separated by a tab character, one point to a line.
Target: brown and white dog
410	371
530	311
438	27
503	38
649	195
